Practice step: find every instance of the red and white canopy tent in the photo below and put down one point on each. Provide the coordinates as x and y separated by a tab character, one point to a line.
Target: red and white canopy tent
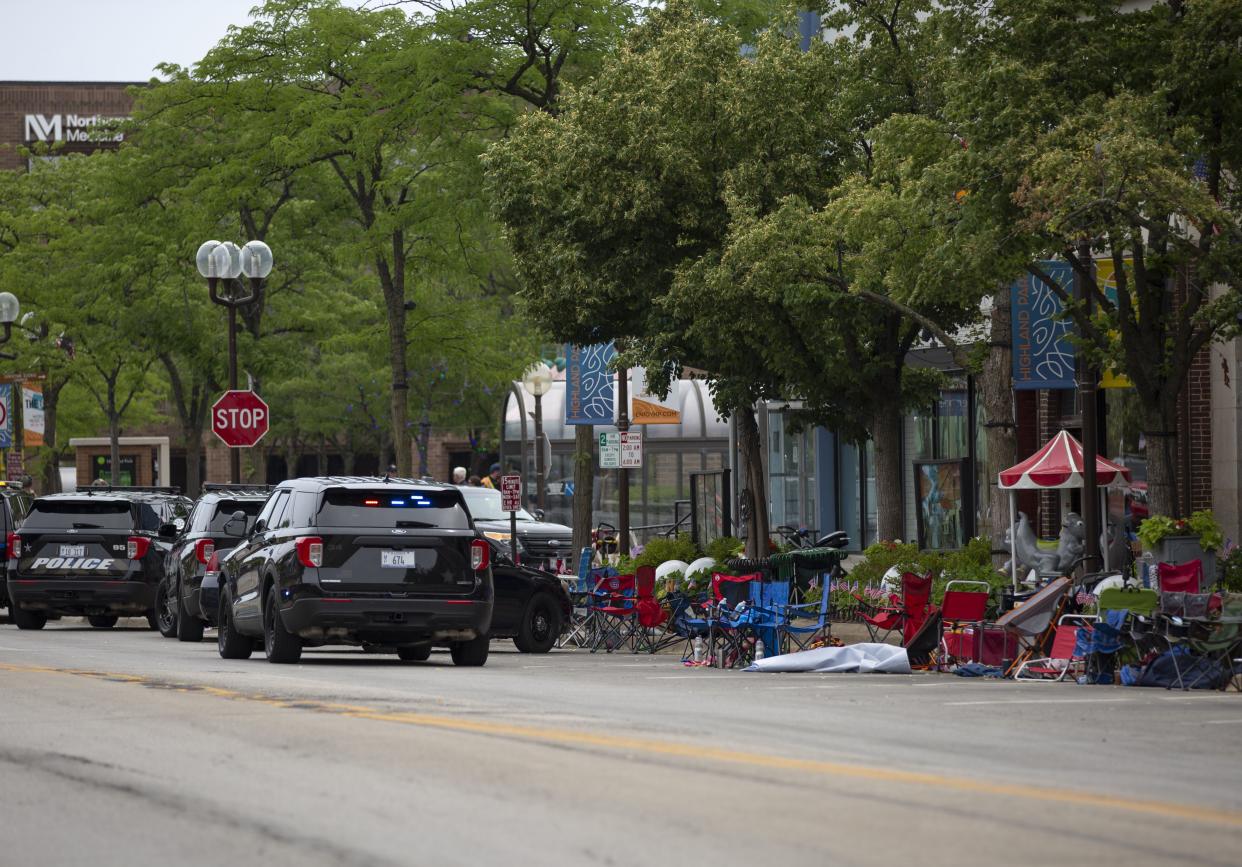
1057	465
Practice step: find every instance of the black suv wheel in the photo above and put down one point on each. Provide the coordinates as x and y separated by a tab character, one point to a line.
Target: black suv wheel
188	628
228	642
26	619
165	613
102	621
471	653
540	626
281	645
414	652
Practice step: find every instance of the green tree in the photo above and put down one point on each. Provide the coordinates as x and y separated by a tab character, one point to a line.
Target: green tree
384	105
738	214
1099	131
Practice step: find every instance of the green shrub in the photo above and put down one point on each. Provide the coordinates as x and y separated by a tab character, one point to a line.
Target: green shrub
723	548
1202	524
660	549
1231	571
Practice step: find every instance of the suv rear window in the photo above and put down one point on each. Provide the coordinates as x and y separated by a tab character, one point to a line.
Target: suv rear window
79	515
388	508
226	508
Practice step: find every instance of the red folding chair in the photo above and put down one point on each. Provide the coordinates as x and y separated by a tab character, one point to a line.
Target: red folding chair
730	627
1182	578
965	606
615	613
648	633
1063	658
906	612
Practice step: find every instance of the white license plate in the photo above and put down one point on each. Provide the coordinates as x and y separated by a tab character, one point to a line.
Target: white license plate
73	550
399	559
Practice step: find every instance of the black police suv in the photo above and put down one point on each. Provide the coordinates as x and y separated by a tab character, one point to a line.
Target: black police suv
378	562
98	552
178	608
14	506
542	544
532	606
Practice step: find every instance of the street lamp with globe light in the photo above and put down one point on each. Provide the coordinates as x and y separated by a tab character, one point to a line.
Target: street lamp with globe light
225	261
538	382
9	310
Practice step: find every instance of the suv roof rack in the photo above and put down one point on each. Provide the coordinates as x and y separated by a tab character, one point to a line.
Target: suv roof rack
136	489
240	487
372	480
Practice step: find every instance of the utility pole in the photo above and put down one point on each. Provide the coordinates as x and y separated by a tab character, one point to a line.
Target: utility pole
1088	380
623	473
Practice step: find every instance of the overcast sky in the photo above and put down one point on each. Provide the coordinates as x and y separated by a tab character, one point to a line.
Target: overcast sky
109	40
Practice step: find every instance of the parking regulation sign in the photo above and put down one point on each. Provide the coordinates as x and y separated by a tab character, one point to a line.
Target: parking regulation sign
511	492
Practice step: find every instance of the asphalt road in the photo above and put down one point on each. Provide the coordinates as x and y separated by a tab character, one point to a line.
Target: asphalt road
119	747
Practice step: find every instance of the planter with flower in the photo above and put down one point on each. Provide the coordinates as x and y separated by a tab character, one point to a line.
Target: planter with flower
1180	540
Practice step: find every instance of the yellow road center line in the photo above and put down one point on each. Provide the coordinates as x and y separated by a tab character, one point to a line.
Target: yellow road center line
650	746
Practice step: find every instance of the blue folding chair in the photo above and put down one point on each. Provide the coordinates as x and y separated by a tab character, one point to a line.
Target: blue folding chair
806	621
769	613
583	621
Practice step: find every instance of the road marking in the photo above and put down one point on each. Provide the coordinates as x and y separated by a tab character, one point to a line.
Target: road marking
1040	701
623	744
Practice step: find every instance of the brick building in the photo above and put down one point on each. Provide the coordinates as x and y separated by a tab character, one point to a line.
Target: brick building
68	116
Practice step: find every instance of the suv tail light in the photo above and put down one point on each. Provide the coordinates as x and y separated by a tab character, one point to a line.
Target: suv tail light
136	547
479	555
203	549
213	564
310	551
15	546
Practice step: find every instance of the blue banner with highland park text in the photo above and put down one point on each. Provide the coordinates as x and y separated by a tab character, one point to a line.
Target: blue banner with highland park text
6	415
1043	356
590	387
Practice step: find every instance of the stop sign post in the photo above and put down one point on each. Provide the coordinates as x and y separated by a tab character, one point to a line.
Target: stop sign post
240	419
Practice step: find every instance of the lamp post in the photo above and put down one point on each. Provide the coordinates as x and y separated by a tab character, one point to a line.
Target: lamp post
538	382
9	310
227	262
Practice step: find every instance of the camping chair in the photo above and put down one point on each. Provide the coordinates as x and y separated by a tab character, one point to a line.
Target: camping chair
1220	648
769	613
616	617
651	616
581	615
731	637
1066	653
1124	612
923	644
907	611
806	622
964	605
1182	578
1033	622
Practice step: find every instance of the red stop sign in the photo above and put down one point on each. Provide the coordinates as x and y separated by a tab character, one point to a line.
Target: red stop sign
239	418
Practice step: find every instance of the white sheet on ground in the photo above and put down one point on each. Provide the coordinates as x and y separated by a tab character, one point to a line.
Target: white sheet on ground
861	658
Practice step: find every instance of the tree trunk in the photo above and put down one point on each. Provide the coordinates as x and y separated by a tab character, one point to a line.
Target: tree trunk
114	442
996	396
51	462
1160	430
886	435
193	440
392	281
584	486
755	492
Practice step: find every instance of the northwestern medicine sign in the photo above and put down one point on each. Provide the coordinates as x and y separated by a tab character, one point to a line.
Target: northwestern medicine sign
70	128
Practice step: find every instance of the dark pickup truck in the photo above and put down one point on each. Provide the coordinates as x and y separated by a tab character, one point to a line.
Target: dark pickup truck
377	562
98	553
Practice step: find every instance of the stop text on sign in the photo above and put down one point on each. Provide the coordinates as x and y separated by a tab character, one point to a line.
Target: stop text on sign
240	418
